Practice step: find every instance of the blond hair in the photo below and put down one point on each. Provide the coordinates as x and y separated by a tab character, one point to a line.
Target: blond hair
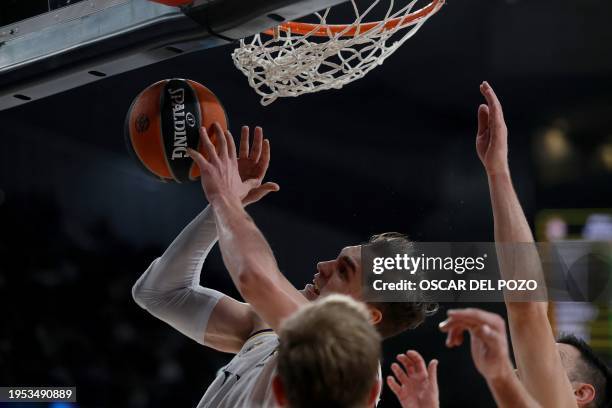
329	354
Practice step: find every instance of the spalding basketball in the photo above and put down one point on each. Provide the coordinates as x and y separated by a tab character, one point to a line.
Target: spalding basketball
164	120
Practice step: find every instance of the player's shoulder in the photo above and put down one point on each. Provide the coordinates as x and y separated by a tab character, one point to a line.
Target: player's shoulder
259	338
259	341
262	332
260	348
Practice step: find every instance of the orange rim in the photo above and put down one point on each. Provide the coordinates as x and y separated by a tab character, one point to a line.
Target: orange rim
324	30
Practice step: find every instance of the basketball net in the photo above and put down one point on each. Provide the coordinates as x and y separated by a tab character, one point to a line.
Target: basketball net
297	58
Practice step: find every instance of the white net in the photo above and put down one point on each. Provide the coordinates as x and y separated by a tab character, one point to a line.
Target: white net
326	56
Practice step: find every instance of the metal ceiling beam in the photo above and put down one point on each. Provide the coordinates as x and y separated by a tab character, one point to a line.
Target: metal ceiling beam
94	39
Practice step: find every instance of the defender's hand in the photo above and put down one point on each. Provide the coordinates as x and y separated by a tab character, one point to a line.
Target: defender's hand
219	171
415	385
253	164
489	344
492	137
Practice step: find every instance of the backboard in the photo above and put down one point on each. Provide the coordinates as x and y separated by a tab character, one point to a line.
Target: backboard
69	43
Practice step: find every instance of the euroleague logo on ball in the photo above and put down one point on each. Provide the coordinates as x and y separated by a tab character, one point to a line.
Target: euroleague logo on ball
191	122
142	123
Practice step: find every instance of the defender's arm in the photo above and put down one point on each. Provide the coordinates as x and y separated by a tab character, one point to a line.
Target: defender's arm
534	345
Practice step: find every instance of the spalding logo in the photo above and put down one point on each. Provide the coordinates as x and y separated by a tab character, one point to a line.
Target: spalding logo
178	112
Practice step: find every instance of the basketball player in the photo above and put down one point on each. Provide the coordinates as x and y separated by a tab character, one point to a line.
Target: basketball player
328	356
170	288
563	374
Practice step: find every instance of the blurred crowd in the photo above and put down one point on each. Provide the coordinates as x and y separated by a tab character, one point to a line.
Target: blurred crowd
69	319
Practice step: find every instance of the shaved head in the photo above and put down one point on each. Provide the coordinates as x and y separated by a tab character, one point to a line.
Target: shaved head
583	366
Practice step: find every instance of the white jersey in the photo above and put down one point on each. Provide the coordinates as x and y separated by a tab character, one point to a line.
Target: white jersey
170	290
247	380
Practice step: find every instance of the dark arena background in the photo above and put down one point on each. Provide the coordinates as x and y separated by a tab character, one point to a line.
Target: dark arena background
79	221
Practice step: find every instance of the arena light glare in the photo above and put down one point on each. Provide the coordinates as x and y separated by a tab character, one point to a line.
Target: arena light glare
556	145
605	155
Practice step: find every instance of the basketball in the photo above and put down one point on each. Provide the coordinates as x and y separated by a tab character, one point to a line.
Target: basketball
164	120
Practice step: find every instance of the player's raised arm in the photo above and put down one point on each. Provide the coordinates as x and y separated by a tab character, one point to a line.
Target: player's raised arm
246	253
489	347
535	350
170	288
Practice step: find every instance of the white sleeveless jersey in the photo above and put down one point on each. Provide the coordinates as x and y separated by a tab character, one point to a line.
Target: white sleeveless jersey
247	380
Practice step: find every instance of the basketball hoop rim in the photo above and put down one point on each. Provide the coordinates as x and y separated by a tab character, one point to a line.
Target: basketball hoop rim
351	30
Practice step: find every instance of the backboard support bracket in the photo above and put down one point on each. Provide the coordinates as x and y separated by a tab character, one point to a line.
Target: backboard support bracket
96	39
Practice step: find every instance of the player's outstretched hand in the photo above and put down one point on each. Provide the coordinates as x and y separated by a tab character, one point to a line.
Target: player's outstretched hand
219	169
414	385
253	164
492	136
489	344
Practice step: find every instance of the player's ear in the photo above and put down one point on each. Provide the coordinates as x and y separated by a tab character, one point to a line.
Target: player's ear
375	315
279	391
374	393
585	393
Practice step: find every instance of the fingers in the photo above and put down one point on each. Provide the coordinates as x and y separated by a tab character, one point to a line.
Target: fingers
482	143
270	187
196	157
477	316
414	376
452	323
244	142
432	370
484	332
488	336
413	367
455	332
455	336
483	119
257	145
407	364
200	161
479	322
221	139
264	163
395	387
494	104
418	363
260	192
207	145
231	146
399	373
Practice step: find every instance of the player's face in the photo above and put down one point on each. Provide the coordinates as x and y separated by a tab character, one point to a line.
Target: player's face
341	275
